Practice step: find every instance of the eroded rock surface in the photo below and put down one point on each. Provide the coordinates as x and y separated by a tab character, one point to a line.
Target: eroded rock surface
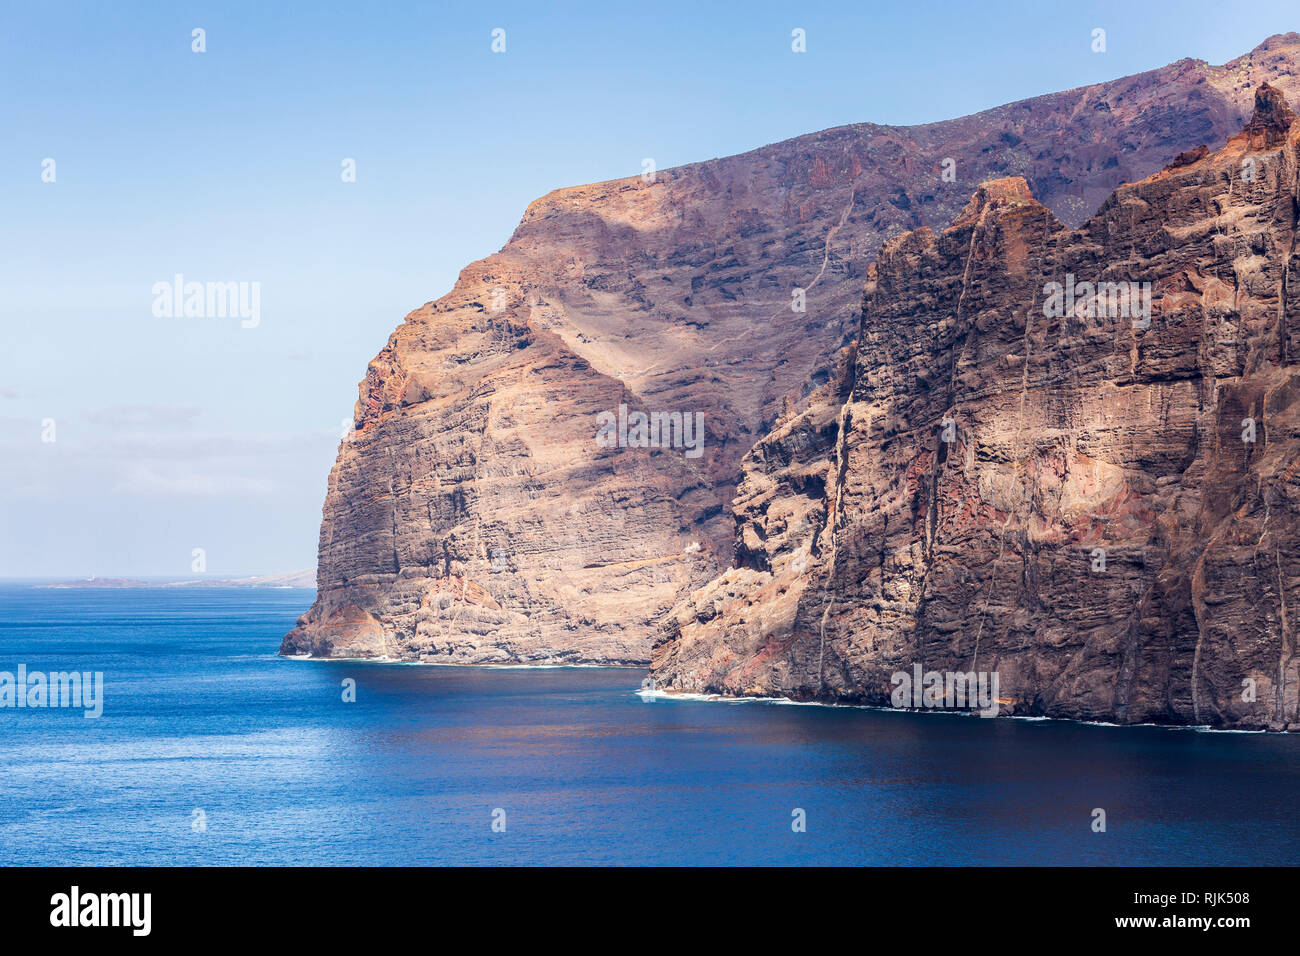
471	516
1096	501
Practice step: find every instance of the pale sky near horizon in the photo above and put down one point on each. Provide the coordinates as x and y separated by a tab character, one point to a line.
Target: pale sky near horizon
173	433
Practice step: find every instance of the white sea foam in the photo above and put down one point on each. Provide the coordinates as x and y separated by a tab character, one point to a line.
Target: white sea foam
410	663
646	694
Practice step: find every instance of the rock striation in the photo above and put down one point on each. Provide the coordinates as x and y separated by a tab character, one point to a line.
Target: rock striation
473	517
1065	456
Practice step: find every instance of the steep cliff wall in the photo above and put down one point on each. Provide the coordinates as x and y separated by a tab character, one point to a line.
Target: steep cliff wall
1015	473
473	517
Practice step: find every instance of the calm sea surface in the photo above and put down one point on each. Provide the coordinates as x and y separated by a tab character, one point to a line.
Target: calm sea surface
200	715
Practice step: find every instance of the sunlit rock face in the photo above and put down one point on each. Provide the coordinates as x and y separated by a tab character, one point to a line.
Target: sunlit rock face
472	515
1065	456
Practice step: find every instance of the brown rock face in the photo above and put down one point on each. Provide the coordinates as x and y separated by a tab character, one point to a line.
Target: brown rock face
1271	120
1067	457
473	516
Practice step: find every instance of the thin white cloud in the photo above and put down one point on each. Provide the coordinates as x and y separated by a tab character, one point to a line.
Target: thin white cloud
143	416
157	478
157	464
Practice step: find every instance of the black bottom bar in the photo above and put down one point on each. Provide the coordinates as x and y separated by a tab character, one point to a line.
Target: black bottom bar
652	907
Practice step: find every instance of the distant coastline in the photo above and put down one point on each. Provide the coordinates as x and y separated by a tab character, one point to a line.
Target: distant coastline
293	579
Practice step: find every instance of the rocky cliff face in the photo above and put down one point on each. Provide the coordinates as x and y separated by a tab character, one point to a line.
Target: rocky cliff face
472	516
1067	457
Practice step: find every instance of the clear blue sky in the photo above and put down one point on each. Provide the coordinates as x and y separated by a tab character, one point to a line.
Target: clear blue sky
173	434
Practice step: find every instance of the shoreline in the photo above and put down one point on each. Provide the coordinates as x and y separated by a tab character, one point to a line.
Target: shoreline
694	697
418	663
699	698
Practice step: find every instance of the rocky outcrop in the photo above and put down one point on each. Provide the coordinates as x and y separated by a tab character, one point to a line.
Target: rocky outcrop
1065	456
473	516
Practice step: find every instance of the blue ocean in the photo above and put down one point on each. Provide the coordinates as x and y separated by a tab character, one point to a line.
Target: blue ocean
213	750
